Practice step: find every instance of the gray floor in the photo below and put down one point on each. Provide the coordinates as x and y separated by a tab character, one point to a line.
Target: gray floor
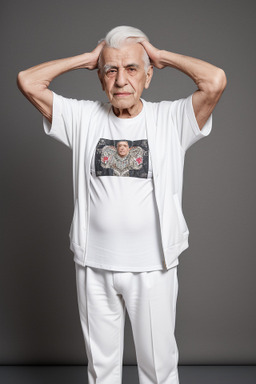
78	375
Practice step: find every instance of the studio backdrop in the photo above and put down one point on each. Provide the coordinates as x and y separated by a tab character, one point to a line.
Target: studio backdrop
216	315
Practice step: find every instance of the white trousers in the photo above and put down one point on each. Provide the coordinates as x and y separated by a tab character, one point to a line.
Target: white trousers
150	300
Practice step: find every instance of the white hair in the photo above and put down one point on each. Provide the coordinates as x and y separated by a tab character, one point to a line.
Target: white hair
118	36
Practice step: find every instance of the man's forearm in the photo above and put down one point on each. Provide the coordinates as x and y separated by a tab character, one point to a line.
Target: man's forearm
210	80
40	76
34	82
207	77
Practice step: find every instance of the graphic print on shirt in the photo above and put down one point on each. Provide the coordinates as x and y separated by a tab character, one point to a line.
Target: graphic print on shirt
122	158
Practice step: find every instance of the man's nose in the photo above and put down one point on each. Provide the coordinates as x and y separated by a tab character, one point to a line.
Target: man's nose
121	79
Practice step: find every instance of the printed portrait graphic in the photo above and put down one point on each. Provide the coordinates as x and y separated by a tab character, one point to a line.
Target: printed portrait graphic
122	158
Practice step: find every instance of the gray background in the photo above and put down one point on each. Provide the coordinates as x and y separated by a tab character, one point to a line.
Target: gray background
216	313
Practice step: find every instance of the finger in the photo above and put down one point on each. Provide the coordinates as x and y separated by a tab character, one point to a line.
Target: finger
101	43
149	48
100	46
146	44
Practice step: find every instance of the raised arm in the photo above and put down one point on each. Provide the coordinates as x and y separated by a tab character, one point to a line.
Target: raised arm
34	82
210	80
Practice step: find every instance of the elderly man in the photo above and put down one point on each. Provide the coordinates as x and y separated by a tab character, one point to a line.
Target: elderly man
127	232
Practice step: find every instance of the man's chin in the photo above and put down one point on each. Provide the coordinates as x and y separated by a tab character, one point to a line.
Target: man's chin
124	103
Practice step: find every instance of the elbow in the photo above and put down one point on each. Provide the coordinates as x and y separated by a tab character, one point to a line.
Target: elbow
22	82
20	79
221	80
215	85
219	83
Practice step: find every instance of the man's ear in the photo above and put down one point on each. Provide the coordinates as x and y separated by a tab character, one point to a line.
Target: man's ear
101	80
149	76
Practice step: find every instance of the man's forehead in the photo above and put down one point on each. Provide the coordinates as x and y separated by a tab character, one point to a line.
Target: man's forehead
131	53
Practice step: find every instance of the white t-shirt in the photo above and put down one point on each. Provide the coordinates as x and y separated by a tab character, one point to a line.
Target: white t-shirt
171	128
124	231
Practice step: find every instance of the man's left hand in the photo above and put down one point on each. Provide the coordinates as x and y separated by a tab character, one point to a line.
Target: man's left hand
153	53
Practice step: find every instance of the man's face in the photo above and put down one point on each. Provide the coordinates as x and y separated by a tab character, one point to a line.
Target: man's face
123	75
122	148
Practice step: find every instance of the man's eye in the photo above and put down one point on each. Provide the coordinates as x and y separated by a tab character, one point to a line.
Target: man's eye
132	70
111	72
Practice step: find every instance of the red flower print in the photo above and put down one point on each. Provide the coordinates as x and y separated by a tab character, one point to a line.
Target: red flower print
105	159
139	160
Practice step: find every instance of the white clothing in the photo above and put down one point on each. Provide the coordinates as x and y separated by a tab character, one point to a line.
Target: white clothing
171	129
150	300
124	232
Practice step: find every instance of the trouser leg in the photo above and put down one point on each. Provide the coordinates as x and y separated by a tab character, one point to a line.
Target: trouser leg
102	315
150	300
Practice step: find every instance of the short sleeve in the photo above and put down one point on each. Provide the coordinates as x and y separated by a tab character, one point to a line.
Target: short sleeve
186	124
65	117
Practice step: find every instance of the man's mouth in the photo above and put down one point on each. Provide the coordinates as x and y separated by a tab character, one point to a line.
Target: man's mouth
122	94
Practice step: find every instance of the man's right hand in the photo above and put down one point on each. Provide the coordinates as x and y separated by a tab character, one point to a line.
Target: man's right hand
95	54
